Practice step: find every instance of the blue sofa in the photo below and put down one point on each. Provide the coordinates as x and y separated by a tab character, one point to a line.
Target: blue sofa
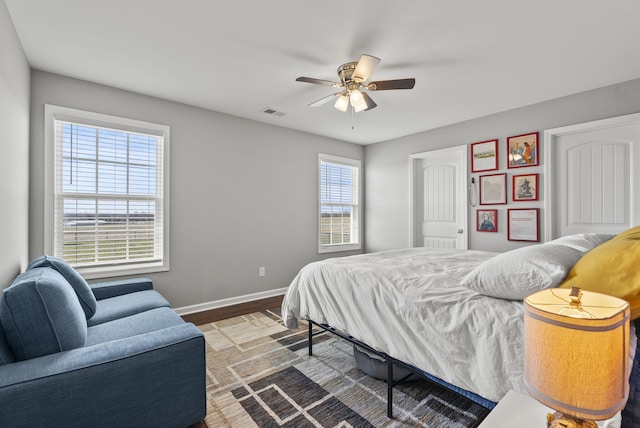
112	354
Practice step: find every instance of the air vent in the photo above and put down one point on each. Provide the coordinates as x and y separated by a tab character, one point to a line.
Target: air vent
272	112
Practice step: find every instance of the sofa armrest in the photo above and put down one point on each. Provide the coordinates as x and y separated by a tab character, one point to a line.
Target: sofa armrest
107	289
153	379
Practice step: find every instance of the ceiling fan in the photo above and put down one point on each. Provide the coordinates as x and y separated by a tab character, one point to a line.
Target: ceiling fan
353	76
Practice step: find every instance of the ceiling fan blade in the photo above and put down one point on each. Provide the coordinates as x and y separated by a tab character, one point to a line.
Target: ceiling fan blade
383	85
370	103
365	67
324	100
318	81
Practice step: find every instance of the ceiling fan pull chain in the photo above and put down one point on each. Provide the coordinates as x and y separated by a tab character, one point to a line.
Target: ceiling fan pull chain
353	118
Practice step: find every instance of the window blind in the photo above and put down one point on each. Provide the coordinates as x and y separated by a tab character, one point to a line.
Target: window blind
108	201
339	204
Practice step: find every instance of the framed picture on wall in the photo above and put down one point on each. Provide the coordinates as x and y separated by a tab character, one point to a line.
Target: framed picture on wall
493	189
522	224
484	156
487	220
523	150
524	187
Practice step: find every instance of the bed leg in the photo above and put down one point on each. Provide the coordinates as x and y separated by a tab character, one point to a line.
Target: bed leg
310	338
389	388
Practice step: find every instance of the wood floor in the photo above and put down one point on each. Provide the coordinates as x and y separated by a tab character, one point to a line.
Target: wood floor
218	314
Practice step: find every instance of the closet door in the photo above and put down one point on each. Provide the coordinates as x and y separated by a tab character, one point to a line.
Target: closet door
594	179
439	200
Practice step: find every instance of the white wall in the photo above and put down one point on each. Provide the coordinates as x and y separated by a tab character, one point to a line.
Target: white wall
387	163
243	193
14	146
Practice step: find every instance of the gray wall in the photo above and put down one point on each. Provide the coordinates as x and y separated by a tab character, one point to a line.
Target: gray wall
243	194
14	146
387	163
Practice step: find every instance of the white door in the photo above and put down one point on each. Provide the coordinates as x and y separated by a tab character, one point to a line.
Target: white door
440	200
595	179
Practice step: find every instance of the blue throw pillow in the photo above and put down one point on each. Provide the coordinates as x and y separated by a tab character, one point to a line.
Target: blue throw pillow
41	315
82	289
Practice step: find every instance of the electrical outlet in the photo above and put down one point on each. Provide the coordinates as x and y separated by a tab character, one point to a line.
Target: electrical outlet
262	271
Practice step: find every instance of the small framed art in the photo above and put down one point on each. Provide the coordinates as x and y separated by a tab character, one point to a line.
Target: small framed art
523	224
493	189
484	156
523	150
524	187
487	220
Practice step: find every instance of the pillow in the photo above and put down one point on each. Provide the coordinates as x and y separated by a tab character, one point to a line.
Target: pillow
516	274
80	286
583	241
41	315
612	268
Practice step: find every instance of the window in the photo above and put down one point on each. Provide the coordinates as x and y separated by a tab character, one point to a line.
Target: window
106	192
339	195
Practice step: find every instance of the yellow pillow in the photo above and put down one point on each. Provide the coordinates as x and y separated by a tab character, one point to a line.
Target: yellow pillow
611	268
633	233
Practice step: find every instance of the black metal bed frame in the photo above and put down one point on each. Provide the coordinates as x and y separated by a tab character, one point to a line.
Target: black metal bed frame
390	361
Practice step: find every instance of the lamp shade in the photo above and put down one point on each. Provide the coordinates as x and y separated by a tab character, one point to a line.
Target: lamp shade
577	355
357	100
342	103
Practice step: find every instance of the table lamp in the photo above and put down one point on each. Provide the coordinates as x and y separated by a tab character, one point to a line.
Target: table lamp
576	354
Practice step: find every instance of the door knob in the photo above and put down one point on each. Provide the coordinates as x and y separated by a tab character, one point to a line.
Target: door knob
460	231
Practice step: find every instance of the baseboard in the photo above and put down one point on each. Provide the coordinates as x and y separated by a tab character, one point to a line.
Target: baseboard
234	306
215	304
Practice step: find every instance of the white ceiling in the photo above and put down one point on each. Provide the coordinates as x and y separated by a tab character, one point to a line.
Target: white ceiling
470	58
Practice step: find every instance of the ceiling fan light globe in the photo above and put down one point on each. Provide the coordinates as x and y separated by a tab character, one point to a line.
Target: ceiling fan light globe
342	103
357	100
360	107
355	96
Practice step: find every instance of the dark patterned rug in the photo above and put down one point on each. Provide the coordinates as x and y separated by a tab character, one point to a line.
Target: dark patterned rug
259	374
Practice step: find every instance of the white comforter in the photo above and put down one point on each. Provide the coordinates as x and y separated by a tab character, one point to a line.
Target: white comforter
408	304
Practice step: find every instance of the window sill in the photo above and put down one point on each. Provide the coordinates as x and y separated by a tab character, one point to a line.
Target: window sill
339	248
101	272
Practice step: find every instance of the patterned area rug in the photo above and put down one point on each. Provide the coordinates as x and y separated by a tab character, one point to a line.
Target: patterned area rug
259	375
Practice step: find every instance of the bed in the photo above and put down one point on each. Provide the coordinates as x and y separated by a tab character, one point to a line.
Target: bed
452	315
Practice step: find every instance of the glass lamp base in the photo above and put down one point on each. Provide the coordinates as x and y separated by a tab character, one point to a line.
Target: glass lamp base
559	420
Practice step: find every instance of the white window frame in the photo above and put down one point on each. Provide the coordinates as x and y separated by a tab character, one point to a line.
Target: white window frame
53	113
358	208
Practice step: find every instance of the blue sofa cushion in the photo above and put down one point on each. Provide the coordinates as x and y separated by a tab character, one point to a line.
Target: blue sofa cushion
41	315
118	287
127	304
133	325
80	286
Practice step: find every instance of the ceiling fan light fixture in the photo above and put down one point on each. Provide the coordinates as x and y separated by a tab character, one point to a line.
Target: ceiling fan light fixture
357	100
353	77
342	103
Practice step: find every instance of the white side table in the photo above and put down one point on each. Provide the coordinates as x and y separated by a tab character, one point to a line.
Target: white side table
517	409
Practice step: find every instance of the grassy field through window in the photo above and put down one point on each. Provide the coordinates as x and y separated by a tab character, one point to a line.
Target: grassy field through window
335	229
108	242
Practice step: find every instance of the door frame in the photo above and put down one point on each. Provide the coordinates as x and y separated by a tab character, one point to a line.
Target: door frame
416	158
550	136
